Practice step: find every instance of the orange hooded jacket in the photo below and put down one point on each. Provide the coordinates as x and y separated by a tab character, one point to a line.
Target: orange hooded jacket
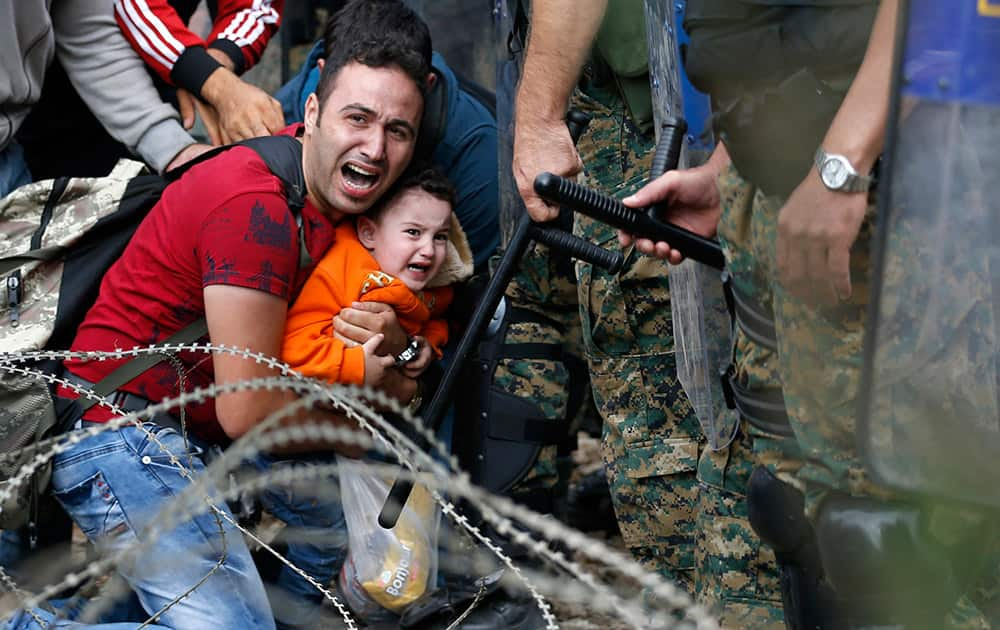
348	273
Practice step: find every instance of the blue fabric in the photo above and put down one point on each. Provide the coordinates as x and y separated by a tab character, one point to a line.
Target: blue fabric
114	486
467	153
13	169
108	488
316	534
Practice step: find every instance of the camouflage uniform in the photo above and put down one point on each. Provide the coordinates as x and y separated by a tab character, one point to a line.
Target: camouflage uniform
682	518
817	363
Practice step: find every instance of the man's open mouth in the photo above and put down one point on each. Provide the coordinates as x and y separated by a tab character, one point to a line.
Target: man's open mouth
359	179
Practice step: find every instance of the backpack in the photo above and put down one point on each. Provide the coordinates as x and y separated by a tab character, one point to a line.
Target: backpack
58	238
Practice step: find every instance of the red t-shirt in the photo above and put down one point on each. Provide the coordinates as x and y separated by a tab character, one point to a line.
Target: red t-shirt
226	221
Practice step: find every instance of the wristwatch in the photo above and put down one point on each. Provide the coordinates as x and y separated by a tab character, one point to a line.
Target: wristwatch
837	173
409	353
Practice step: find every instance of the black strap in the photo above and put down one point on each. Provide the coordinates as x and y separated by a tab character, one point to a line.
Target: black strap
58	188
283	157
45	254
517	428
129	371
537	351
755	319
517	40
764	409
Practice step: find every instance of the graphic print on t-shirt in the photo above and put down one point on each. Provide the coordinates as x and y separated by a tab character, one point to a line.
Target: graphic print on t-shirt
266	231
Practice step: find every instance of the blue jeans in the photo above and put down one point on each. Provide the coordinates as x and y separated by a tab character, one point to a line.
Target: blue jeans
316	535
114	485
13	169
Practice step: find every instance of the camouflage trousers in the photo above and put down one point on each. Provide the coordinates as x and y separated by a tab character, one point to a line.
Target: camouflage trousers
671	522
817	364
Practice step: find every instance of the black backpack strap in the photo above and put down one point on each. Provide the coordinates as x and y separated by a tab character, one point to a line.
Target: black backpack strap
45	254
283	157
58	188
129	371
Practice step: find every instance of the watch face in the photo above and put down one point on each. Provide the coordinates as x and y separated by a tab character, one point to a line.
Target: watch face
834	172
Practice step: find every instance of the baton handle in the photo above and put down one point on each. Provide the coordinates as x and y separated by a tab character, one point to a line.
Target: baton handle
668	149
579	248
613	212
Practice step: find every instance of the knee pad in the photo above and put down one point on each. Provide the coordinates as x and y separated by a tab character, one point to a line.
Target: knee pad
777	513
885	562
502	433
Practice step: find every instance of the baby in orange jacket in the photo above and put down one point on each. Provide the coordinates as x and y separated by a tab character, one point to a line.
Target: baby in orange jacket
404	252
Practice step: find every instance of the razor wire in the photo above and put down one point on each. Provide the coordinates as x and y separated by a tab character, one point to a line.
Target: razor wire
374	432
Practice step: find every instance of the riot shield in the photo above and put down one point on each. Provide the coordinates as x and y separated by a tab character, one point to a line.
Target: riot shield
929	417
701	323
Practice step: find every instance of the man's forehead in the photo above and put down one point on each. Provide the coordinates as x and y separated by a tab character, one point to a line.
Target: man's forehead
385	90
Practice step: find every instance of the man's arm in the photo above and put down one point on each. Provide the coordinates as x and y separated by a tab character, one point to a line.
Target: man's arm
561	35
248	318
241	31
245	318
817	226
232	109
243	28
113	82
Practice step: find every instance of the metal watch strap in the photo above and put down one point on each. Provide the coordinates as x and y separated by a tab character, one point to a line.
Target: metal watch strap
855	182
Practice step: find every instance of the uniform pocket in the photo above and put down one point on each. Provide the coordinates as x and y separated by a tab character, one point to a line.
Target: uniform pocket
641	397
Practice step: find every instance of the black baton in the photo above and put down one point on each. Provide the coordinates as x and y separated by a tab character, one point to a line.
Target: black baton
640	222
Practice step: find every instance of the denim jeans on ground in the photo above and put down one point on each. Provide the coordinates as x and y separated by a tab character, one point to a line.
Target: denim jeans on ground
13	169
114	486
316	535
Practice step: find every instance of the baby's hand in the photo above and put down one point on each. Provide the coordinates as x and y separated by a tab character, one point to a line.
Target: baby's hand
375	366
416	367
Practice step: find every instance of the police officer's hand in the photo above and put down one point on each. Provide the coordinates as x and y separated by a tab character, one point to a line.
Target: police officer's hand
816	229
542	145
693	203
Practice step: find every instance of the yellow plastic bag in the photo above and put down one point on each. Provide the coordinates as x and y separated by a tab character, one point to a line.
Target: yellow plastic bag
389	567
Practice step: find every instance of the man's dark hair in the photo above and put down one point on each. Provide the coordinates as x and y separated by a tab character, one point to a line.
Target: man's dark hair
376	33
423	176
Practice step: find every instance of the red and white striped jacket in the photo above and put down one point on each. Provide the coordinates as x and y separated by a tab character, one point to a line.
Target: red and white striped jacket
157	32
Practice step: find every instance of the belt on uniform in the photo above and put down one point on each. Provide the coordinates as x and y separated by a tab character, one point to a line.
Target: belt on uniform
755	319
762	409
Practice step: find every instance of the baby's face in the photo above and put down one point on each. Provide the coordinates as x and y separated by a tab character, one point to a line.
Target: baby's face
410	237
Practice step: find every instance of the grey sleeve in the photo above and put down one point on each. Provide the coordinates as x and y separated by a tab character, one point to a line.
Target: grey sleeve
113	81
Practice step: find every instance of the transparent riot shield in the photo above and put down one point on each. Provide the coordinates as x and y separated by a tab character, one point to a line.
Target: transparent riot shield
701	323
929	416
